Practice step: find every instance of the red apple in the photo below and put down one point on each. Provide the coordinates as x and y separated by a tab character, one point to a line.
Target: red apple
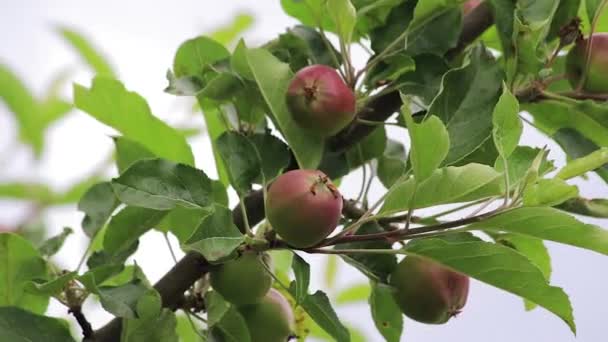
320	101
303	207
597	73
428	292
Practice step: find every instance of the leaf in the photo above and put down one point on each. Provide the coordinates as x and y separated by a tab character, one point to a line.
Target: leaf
386	313
436	33
87	51
227	34
377	267
97	203
27	191
301	270
580	166
241	159
126	227
430	144
575	145
548	224
394	66
121	300
162	185
447	185
233	327
392	164
24	106
51	246
593	6
499	266
182	222
128	152
319	308
370	147
20	263
520	162
109	102
52	287
216	126
507	125
549	192
216	307
161	328
273	77
532	248
597	207
195	55
216	237
273	152
302	45
353	294
18	325
466	101
344	16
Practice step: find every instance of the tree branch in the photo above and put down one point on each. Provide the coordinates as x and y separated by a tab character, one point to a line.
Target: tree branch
172	285
87	329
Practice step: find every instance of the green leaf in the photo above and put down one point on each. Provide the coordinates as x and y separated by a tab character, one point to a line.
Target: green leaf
20	263
548	224
51	246
24	106
18	325
216	307
310	13
430	144
576	146
149	304
109	102
233	327
185	331
435	32
128	152
182	222
344	16
273	152
52	287
121	301
372	146
499	266
597	207
375	266
241	159
580	166
216	126
301	270
87	51
392	164
386	313
549	192
97	203
466	102
161	328
162	185
27	191
520	161
301	46
392	67
507	125
228	33
195	55
353	294
592	6
273	77
532	248
126	227
447	185
216	237
318	307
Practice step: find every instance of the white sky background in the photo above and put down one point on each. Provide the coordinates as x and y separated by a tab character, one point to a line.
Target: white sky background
140	39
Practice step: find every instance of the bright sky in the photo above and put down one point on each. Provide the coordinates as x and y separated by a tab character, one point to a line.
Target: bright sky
140	38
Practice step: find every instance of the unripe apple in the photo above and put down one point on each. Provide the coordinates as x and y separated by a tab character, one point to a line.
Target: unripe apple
243	280
270	320
596	80
320	101
469	6
303	207
428	292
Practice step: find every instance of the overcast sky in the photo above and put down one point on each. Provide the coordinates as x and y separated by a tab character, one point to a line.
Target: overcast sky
140	38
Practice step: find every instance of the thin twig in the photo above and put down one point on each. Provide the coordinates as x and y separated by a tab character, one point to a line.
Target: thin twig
165	235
